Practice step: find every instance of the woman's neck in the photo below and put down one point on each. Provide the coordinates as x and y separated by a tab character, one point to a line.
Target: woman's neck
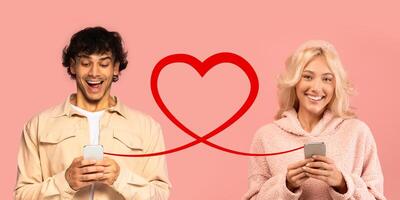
308	120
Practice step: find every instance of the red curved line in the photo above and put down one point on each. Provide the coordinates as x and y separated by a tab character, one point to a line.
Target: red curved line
157	153
208	64
195	142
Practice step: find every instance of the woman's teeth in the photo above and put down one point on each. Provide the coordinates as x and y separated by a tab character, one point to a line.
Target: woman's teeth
315	98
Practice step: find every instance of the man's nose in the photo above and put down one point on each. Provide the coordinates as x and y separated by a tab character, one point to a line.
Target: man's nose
94	70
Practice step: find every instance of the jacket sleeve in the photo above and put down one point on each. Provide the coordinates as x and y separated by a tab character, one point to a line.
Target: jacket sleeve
153	183
30	183
262	184
370	184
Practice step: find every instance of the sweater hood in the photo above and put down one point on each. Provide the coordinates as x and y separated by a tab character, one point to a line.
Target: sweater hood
290	123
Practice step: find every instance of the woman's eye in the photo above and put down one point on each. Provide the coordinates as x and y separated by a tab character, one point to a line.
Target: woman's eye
307	77
327	80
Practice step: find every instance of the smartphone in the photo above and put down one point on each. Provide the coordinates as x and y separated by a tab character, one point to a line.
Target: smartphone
314	148
93	152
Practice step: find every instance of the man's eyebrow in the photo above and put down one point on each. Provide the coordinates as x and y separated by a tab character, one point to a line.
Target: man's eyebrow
88	57
83	56
105	58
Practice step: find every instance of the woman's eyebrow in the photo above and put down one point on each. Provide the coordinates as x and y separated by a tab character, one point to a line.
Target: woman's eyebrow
328	74
308	71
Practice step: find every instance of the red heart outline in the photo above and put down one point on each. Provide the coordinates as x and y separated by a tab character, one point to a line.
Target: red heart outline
202	68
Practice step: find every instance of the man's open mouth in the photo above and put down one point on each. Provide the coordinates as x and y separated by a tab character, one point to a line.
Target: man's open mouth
94	84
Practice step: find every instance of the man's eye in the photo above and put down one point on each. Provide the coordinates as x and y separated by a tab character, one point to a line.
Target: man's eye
85	64
104	65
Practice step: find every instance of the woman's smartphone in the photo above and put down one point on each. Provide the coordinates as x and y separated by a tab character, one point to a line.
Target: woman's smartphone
93	152
314	148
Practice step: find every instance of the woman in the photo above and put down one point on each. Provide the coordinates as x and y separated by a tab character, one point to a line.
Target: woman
314	107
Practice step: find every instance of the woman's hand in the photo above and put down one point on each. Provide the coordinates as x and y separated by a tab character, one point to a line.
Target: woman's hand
324	169
295	175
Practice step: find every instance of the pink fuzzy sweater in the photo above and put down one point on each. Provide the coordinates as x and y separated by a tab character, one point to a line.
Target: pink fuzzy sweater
349	143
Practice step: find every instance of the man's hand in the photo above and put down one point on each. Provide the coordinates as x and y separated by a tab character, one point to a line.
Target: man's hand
83	172
111	170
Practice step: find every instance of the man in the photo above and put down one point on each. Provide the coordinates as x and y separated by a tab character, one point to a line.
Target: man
50	162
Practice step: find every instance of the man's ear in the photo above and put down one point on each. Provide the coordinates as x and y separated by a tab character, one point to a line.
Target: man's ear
72	67
116	68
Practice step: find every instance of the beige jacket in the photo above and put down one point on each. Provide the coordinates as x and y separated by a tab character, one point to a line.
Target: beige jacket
52	139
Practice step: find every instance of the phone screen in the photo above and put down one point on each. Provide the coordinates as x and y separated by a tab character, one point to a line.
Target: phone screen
93	152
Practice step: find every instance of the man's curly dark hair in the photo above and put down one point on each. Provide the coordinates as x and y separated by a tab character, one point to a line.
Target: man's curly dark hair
94	40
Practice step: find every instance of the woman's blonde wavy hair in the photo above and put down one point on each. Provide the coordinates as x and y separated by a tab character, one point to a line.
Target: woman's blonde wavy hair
295	64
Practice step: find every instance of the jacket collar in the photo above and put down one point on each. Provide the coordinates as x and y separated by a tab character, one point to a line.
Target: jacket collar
67	110
290	123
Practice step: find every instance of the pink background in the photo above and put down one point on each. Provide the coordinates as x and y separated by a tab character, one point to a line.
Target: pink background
366	34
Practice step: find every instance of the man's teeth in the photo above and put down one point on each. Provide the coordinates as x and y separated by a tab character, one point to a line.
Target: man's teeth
315	98
94	82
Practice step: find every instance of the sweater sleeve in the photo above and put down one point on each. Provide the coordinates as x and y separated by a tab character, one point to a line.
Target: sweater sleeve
262	184
370	184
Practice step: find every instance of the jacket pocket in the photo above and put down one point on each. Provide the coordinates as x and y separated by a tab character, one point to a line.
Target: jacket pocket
57	137
127	141
58	148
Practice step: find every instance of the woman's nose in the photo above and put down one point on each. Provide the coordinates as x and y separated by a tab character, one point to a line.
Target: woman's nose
316	85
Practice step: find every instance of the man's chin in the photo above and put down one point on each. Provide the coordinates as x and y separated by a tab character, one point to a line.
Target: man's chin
94	98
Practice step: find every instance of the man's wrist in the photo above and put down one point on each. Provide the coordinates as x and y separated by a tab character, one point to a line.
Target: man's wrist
62	184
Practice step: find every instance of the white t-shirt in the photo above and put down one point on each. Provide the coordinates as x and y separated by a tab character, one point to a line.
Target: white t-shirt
94	123
94	129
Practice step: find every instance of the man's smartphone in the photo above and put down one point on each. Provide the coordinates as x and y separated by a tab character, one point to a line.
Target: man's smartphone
314	148
93	152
